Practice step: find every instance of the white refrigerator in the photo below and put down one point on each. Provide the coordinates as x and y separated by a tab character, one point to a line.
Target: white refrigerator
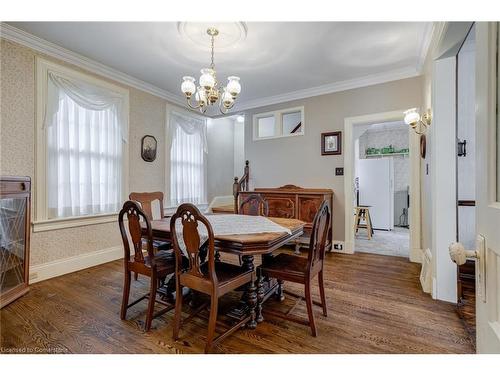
376	189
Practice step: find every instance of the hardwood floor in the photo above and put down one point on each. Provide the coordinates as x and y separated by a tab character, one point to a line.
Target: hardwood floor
375	305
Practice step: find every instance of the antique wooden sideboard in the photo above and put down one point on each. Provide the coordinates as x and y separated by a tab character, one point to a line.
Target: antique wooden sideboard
295	202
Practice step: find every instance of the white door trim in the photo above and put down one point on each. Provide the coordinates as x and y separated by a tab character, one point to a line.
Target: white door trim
349	123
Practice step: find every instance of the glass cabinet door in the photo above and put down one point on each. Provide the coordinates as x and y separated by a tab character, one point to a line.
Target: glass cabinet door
12	243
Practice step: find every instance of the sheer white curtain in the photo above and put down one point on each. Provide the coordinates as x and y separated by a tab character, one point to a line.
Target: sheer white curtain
86	129
188	150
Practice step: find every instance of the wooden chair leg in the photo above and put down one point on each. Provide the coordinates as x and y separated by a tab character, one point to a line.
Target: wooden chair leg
368	220
356	221
310	307
151	304
322	293
211	323
178	311
126	294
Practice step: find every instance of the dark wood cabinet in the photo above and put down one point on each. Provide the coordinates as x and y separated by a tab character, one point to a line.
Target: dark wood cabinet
294	202
15	201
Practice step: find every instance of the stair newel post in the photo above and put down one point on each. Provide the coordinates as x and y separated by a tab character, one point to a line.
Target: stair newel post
246	175
235	194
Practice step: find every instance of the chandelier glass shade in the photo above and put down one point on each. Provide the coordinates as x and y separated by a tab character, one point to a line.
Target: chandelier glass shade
209	92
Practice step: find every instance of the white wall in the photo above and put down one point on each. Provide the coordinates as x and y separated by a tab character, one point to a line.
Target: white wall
298	160
466	112
443	178
220	163
239	148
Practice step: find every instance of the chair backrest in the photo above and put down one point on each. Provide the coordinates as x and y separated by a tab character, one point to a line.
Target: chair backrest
135	230
319	235
254	205
190	218
145	199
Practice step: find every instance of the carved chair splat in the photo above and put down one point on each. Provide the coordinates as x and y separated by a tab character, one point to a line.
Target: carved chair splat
213	278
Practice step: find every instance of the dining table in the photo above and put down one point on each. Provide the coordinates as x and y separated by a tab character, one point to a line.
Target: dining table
247	247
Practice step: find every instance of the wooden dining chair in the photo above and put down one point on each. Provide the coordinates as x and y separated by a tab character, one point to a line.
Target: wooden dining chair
156	266
297	269
210	277
145	200
254	205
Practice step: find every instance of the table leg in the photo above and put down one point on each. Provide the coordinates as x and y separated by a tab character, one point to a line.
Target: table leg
250	293
260	296
279	293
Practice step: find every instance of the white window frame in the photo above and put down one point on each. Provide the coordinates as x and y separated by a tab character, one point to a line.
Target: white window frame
41	222
278	123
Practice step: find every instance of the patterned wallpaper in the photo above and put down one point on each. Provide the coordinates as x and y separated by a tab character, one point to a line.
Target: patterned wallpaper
398	139
147	116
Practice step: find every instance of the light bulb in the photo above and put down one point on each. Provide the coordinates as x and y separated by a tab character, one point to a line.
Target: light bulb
188	87
207	79
200	96
233	85
227	99
411	117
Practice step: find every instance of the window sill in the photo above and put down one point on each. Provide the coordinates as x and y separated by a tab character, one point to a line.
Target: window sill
278	136
72	222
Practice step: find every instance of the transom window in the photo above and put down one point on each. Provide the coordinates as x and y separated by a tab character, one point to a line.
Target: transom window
278	124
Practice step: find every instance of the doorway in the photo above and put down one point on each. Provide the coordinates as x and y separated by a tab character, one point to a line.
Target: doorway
382	188
350	126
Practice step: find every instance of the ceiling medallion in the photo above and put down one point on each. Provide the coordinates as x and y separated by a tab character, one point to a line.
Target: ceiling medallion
209	93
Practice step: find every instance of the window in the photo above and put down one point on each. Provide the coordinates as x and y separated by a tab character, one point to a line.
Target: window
82	130
278	124
266	126
188	150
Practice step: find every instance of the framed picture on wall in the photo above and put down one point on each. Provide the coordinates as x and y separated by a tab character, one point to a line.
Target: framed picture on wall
148	148
331	143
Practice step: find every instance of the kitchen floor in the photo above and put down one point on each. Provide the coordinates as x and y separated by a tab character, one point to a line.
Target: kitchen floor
394	243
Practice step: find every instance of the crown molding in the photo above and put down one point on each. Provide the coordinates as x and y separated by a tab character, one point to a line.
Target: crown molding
369	80
41	45
19	36
430	28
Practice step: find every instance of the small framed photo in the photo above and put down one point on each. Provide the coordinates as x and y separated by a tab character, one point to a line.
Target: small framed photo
148	148
331	143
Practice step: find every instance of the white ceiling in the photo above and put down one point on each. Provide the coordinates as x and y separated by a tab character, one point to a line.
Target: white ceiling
275	60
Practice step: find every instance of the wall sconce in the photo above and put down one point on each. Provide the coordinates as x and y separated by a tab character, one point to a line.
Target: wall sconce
413	118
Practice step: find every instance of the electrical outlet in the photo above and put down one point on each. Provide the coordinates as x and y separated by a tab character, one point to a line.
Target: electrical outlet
339	171
337	246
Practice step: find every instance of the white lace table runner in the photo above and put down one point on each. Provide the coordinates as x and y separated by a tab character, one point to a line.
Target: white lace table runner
232	225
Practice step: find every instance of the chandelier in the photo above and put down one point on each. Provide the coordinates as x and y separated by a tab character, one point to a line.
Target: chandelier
209	93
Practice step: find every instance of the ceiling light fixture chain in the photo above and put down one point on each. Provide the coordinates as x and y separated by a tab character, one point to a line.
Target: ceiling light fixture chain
208	93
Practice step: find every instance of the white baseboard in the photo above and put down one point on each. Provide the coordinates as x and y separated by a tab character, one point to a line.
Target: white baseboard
344	250
60	267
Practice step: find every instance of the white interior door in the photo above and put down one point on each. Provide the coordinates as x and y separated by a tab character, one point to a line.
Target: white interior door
488	188
376	189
